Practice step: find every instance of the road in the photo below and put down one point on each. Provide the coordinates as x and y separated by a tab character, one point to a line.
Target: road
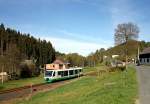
143	76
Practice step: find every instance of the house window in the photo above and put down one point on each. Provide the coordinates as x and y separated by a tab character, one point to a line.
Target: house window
147	60
143	60
140	60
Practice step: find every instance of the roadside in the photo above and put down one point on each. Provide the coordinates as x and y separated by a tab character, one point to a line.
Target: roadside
143	75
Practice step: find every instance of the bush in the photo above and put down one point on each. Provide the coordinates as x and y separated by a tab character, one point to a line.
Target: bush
14	76
118	68
25	71
28	69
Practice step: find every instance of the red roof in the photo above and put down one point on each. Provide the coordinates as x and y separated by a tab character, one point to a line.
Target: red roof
58	62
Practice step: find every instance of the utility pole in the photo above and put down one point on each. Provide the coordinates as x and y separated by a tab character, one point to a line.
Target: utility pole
2	75
126	48
138	53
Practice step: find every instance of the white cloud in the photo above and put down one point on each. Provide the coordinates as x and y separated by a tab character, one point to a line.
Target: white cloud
87	38
122	11
73	46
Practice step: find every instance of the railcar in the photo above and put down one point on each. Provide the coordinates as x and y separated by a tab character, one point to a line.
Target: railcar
62	74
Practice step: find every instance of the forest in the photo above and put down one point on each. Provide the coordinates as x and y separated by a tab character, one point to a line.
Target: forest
17	48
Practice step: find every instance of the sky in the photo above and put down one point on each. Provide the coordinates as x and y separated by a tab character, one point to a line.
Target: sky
75	26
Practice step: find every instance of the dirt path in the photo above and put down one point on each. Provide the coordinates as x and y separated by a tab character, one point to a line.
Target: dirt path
143	75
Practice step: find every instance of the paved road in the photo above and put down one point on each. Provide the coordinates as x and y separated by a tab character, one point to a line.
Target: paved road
143	75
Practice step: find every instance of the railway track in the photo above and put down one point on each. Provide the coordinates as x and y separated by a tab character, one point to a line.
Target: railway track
29	90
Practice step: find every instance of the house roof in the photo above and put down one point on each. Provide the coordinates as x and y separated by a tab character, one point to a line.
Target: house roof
146	51
57	61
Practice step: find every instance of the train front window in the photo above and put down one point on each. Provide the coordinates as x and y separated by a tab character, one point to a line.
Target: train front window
53	74
48	73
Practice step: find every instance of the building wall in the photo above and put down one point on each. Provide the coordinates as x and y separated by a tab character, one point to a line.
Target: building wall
144	60
56	66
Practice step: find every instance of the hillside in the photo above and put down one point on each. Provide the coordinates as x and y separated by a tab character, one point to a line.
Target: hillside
131	48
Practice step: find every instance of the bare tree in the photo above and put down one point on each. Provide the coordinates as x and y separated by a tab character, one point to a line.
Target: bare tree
125	32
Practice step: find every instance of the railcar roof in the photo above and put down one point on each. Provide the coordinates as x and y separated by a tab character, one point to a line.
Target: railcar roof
64	69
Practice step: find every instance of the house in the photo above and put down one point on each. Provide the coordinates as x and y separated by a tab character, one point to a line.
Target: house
144	56
57	64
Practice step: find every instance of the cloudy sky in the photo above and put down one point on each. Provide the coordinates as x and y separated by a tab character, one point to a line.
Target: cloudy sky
80	26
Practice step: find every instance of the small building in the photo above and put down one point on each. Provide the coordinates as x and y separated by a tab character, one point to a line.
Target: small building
144	57
3	76
57	64
115	56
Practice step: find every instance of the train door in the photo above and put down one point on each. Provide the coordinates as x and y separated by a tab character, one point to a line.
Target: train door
54	74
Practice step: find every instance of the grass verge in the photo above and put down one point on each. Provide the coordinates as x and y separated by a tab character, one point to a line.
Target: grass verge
21	82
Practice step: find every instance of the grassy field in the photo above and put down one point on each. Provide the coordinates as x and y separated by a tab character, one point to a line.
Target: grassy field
21	82
96	68
111	88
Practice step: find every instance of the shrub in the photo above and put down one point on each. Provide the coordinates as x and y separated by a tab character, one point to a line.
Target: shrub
118	68
28	69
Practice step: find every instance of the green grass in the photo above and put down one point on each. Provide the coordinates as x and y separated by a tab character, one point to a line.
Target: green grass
21	82
96	68
111	88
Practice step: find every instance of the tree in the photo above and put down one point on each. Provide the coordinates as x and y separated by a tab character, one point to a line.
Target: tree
125	32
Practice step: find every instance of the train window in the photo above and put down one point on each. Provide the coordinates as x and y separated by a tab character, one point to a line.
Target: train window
76	71
48	73
60	73
79	70
65	73
70	72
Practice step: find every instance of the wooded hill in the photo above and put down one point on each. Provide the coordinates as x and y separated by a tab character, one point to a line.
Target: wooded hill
16	47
